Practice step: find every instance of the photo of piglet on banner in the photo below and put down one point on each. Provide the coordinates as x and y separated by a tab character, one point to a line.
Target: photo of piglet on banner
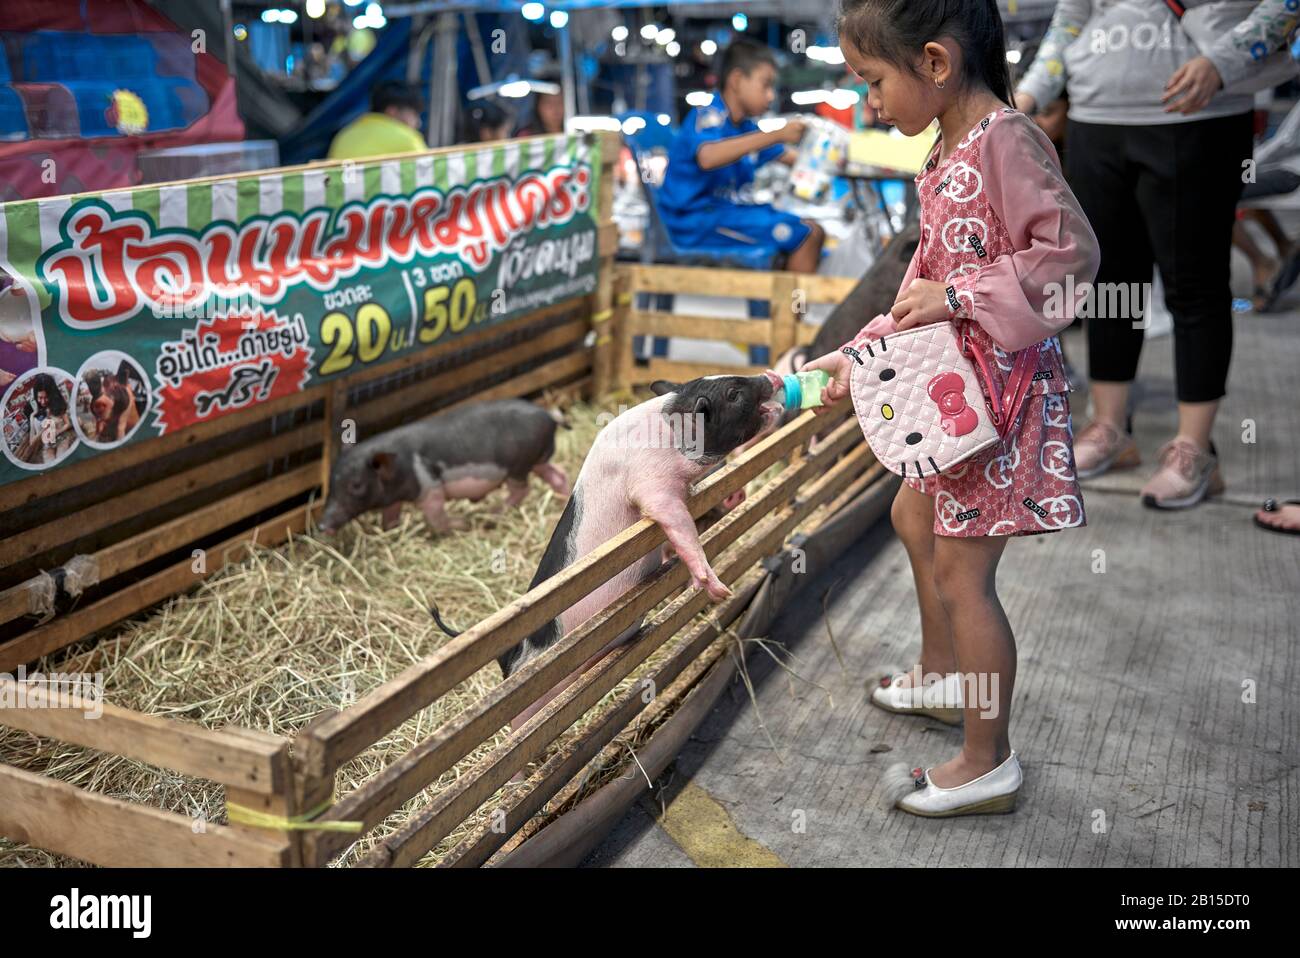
131	314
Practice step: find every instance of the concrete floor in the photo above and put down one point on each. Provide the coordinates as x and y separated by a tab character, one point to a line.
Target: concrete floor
1129	719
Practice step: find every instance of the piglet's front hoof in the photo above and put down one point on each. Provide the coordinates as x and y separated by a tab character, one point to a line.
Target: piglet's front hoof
715	587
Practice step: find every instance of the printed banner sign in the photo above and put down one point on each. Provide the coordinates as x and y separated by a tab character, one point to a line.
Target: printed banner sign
132	314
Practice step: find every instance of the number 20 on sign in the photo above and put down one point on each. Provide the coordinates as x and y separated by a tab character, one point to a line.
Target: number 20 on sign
370	334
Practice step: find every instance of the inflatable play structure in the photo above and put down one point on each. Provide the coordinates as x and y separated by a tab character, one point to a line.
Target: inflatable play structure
88	85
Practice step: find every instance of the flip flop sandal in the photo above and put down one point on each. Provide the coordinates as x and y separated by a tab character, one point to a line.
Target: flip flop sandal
1287	274
1271	505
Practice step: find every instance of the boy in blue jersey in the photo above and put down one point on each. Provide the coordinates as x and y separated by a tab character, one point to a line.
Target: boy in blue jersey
711	158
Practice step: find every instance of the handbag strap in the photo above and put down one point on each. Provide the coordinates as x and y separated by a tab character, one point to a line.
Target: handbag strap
1005	407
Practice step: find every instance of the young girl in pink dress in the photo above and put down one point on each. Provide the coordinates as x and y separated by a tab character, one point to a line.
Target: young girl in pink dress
1006	253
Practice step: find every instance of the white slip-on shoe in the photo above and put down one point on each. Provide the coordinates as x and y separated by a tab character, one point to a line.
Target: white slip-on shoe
992	793
939	700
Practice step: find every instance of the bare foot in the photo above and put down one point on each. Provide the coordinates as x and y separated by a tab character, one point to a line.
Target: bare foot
1285	517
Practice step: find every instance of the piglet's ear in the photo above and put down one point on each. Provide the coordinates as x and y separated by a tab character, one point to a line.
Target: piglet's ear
383	463
661	386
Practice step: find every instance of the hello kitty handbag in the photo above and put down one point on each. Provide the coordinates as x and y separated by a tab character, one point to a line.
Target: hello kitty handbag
919	401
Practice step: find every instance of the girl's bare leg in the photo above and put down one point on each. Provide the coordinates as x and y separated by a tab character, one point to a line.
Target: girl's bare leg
913	518
965	573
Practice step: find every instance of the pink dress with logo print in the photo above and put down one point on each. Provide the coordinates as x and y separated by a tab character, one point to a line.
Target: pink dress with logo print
1002	231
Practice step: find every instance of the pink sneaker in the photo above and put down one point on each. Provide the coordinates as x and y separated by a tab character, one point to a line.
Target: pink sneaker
1185	477
1099	448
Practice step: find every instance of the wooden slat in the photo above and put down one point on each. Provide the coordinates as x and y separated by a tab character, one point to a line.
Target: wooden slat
325	746
146	497
658	323
452	806
15	602
152	543
61	818
702	281
739	283
825	289
859	485
805	333
686	666
146	592
545	375
680	372
256	765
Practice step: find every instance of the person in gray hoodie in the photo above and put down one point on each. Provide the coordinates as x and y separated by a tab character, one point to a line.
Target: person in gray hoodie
1156	159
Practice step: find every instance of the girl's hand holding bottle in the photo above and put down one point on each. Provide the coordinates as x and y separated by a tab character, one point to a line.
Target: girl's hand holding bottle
837	367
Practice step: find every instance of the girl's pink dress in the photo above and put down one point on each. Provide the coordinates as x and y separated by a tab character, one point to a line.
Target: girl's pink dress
1002	231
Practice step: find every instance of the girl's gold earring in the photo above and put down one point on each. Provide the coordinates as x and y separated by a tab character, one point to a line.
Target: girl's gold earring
940	83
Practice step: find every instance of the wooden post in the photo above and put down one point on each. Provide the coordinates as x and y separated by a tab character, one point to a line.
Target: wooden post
785	322
309	791
300	793
784	318
622	331
281	802
336	404
602	301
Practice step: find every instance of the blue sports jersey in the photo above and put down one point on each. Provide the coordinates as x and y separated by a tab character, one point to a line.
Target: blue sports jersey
686	187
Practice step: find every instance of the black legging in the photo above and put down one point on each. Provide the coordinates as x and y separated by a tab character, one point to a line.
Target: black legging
1164	194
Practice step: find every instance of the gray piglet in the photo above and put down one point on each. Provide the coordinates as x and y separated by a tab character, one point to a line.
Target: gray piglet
463	453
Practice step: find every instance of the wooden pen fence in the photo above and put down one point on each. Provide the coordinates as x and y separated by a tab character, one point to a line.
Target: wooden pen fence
91	544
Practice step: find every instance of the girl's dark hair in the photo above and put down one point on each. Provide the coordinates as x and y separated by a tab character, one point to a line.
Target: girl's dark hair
896	30
44	381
